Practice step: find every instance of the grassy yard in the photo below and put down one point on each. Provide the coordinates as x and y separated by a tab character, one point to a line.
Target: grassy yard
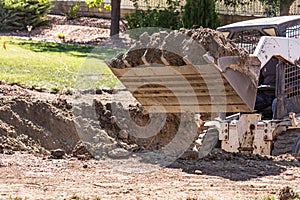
55	66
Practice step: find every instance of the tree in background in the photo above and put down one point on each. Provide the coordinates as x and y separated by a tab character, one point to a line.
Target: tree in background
200	13
284	5
115	17
271	6
114	7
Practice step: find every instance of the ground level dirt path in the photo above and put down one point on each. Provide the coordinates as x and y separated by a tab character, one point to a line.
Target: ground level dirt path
35	177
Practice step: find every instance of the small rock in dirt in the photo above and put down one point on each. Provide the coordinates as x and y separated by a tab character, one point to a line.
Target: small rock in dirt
286	193
109	147
85	166
261	173
107	113
118	153
9	152
103	137
82	149
113	119
123	134
99	91
84	157
289	176
189	155
57	153
1	148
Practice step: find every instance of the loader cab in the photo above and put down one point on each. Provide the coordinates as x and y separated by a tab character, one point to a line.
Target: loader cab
246	34
287	89
284	89
266	91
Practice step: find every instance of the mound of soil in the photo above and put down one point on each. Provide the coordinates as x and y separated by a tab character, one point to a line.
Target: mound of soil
178	48
44	118
35	121
215	43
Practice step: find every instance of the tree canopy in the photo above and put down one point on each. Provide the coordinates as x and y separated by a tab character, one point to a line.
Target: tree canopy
282	5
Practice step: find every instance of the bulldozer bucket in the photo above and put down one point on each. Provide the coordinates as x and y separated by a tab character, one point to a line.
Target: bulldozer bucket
202	88
242	77
194	70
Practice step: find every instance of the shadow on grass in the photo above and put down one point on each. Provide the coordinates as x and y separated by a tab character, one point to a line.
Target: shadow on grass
70	49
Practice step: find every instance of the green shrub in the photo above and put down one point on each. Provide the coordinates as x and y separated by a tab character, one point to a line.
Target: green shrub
200	13
168	17
18	14
271	8
73	10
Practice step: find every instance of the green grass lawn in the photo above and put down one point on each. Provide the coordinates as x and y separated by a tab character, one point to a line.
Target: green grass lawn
55	66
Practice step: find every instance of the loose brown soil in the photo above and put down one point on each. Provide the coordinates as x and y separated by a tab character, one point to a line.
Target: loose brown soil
34	123
178	48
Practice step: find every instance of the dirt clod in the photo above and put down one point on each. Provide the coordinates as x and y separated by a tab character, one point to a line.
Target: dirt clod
1	148
118	153
286	193
81	151
57	153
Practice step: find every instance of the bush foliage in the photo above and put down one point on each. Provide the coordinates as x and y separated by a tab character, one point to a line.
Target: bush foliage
172	16
73	11
166	17
200	13
18	14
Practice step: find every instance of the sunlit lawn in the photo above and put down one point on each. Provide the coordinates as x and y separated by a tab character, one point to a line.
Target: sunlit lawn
55	65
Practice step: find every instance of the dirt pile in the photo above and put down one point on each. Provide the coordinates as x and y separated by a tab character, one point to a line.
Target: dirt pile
35	121
44	121
215	43
126	131
22	142
177	48
109	129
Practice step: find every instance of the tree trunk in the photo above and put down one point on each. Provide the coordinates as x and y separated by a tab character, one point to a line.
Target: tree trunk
285	7
115	17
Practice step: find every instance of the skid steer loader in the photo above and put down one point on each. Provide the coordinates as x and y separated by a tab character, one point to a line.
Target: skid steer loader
215	73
